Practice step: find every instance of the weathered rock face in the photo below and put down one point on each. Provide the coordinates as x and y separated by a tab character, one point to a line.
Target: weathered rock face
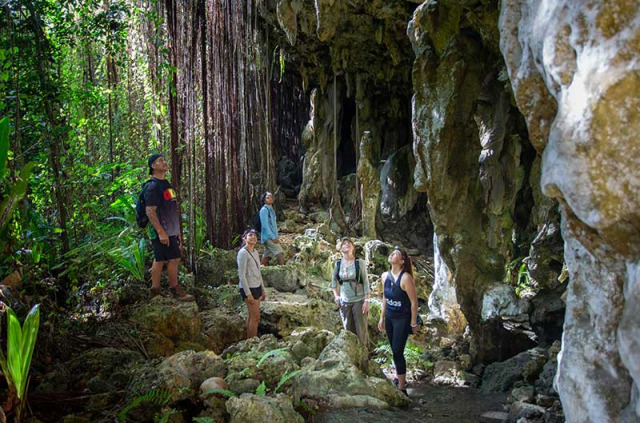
169	326
96	371
250	408
343	376
282	313
217	269
282	278
183	373
467	143
444	309
368	175
356	56
223	328
576	77
402	217
318	168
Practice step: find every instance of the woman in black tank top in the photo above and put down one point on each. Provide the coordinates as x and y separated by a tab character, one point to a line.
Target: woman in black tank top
399	310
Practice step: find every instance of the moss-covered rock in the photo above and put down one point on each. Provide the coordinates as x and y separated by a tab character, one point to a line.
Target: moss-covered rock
217	267
343	376
183	373
166	324
282	313
223	327
248	408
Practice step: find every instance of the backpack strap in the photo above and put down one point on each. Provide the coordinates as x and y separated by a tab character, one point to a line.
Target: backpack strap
336	273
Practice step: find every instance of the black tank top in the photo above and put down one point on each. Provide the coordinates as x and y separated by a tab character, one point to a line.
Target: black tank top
398	303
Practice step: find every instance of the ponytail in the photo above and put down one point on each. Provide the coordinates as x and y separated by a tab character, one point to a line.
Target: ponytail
407	267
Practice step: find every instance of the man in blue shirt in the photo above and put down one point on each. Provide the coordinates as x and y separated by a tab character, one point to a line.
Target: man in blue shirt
269	232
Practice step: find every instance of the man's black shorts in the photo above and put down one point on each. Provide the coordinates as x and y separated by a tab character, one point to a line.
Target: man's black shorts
164	252
255	292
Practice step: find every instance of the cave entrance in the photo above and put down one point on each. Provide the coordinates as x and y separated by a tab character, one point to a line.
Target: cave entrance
346	154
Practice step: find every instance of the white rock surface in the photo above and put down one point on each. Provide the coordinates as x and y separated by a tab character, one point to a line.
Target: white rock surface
575	72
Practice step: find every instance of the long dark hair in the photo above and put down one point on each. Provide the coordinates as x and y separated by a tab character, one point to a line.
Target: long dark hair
407	267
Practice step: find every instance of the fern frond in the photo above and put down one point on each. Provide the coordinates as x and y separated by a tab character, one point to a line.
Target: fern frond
154	396
285	377
272	353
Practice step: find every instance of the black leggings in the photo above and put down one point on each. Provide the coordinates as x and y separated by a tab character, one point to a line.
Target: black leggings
398	331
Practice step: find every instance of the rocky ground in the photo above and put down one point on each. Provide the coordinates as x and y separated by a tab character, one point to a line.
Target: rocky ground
431	404
163	360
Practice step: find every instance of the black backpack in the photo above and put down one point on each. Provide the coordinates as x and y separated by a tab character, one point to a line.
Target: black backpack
336	272
141	207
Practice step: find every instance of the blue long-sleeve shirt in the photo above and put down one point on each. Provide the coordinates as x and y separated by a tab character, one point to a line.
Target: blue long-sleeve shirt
268	221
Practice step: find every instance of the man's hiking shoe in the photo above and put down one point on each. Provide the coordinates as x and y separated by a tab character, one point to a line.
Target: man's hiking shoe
179	294
157	292
404	391
395	381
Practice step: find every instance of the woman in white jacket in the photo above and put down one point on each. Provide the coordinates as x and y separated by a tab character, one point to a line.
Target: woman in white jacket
250	282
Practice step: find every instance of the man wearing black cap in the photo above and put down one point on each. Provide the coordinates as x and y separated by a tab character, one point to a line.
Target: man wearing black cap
162	210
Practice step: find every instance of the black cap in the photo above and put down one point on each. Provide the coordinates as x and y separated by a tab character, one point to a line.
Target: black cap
153	158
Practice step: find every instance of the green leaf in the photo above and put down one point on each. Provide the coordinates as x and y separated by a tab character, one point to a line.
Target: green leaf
285	377
278	351
261	390
20	345
29	336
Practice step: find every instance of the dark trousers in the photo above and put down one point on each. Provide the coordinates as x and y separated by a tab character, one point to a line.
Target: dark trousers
398	330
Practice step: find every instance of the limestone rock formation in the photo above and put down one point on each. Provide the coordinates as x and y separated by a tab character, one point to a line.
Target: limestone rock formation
183	373
168	325
402	218
249	408
368	176
223	328
467	146
576	77
282	278
343	376
283	313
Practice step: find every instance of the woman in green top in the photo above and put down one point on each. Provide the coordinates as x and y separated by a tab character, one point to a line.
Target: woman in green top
351	291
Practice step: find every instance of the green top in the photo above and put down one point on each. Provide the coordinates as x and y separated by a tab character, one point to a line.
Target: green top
350	290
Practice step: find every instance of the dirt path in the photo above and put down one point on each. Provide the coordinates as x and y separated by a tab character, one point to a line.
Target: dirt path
430	404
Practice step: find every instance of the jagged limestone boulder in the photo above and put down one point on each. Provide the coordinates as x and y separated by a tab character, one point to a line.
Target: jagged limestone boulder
223	328
582	116
282	313
257	360
282	278
500	300
249	408
183	373
500	377
309	342
169	325
217	267
344	377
